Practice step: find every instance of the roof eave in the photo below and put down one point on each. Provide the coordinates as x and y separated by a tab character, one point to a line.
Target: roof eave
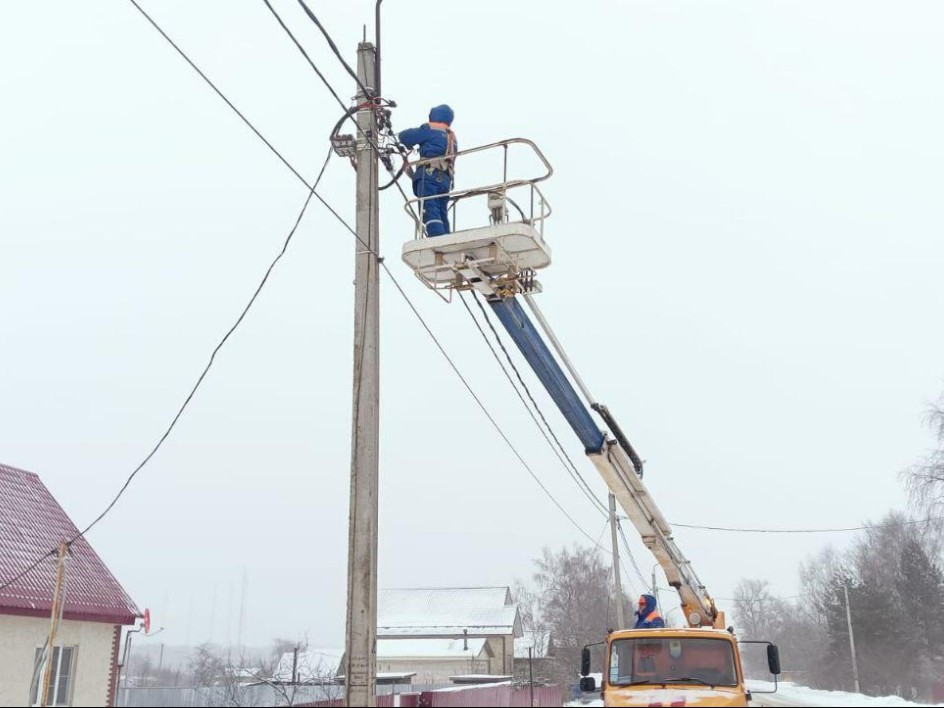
101	617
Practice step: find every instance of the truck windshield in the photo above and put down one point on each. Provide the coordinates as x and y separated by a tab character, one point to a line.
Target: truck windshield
656	660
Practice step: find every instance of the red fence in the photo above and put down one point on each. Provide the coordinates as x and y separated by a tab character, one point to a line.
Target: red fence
472	697
384	701
544	696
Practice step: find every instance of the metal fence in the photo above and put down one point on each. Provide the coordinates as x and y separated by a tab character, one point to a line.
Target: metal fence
255	696
327	696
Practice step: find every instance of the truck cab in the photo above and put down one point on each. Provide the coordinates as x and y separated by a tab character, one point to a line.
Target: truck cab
684	666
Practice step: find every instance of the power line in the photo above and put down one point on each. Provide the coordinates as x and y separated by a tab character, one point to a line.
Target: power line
895	524
364	89
367	93
632	559
365	245
307	58
193	391
572	469
582	482
400	290
481	405
341	103
772	597
239	113
312	192
334	48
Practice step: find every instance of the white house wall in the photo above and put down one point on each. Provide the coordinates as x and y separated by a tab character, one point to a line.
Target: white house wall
21	636
433	671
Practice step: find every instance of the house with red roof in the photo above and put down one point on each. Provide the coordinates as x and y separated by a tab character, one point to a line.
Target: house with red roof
84	661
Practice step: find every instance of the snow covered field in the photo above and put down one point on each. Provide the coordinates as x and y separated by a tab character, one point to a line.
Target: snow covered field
789	694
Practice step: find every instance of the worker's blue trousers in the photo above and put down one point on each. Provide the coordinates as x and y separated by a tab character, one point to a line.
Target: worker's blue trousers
435	210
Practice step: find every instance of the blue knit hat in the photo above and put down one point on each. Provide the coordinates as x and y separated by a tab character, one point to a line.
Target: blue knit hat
442	114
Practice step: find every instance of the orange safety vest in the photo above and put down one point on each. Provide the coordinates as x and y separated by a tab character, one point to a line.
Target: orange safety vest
652	615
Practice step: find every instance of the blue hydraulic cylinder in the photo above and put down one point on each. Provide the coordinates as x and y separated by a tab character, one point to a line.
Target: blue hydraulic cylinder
529	341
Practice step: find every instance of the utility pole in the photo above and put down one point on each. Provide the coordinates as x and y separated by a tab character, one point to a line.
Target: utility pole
361	635
855	665
531	668
620	619
655	586
58	600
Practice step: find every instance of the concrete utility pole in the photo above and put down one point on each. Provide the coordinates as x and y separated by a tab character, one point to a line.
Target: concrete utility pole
855	665
58	600
360	656
618	589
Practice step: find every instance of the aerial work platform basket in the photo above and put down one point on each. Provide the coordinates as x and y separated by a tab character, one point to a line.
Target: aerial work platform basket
499	256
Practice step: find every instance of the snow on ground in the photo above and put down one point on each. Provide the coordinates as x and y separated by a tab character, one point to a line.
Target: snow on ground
791	694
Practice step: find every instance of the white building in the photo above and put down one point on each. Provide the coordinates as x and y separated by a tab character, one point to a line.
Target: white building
439	633
84	659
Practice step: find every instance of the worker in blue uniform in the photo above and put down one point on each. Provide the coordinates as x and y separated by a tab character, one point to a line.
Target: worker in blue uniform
437	143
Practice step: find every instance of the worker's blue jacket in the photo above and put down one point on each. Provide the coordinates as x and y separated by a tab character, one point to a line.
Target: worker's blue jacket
648	617
432	142
433	181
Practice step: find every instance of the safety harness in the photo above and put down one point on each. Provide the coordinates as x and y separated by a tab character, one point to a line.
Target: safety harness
447	162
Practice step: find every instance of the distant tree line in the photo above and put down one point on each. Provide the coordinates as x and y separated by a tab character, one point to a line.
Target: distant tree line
894	580
892	574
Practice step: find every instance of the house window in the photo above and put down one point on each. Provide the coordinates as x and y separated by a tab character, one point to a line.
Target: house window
60	681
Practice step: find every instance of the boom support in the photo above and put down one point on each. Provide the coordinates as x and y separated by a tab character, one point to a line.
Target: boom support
615	460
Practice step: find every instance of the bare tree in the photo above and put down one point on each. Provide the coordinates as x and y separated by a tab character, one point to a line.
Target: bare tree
528	605
754	608
576	603
925	480
206	666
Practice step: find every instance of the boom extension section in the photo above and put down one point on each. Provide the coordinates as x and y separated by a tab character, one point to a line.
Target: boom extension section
615	459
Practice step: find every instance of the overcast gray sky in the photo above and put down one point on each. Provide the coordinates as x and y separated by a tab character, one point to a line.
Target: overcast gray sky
747	258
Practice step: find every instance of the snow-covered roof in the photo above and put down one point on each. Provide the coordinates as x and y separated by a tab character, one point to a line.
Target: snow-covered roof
430	648
313	665
447	612
538	640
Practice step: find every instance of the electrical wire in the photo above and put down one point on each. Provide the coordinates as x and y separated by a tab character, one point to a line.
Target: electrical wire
379	259
334	48
559	450
930	519
240	114
368	247
380	153
307	58
364	89
313	193
482	406
193	390
629	553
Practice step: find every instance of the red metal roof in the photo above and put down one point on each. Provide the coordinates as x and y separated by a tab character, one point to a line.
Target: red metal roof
31	524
